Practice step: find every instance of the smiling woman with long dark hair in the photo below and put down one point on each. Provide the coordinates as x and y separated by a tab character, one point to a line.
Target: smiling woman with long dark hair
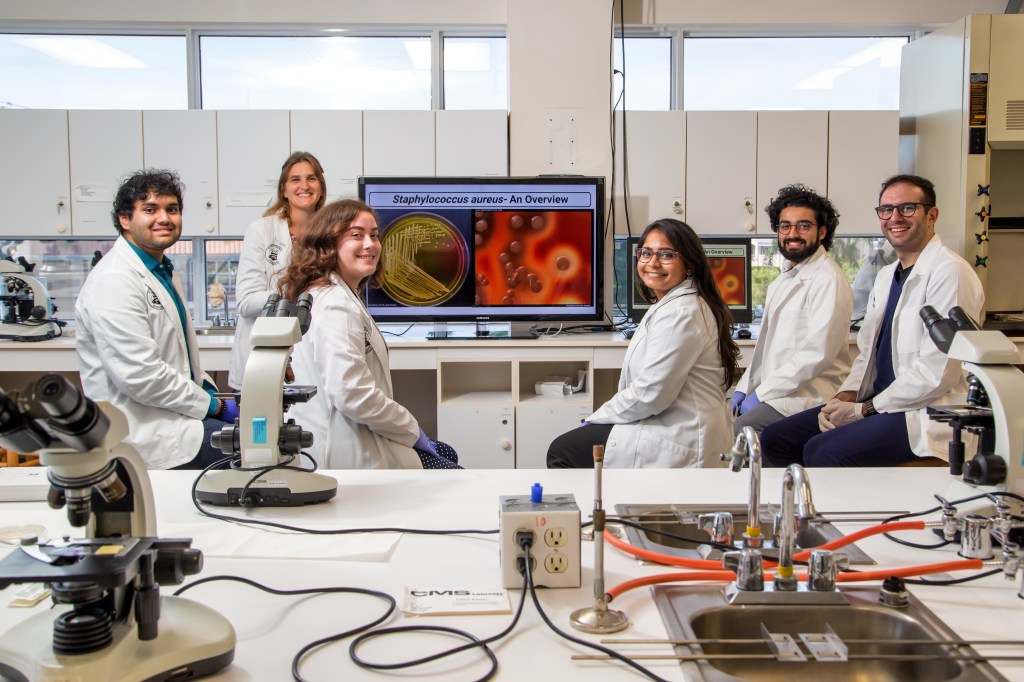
670	409
355	421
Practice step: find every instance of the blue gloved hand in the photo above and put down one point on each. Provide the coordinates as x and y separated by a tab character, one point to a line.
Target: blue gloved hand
423	443
230	411
735	401
749	403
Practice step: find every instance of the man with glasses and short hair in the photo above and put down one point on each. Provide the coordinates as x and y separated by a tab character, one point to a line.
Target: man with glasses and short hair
879	416
803	352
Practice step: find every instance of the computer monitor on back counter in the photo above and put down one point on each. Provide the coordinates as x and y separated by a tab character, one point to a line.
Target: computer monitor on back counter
730	259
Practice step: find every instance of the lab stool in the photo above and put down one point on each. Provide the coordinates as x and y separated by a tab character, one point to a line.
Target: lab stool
9	458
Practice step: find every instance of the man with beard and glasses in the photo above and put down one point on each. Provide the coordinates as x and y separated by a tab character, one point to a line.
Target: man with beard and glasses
879	416
802	352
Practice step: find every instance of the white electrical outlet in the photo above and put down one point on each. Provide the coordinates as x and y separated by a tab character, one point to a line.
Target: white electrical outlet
553	524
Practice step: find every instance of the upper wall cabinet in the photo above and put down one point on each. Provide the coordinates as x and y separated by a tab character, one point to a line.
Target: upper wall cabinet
792	147
105	147
186	142
34	184
721	171
251	146
472	143
863	150
398	143
335	138
654	151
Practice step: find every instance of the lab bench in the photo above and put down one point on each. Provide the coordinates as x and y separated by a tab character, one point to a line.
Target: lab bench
271	629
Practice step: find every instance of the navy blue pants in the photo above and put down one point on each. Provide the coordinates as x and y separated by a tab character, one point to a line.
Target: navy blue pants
877	441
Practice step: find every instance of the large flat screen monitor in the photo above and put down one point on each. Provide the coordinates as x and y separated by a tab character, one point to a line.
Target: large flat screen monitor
730	259
488	249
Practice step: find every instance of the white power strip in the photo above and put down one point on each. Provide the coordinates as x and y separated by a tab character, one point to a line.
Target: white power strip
553	523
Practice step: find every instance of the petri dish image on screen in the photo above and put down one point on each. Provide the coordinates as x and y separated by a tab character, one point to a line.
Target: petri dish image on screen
425	259
533	257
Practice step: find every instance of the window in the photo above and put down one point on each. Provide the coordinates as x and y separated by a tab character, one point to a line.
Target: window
475	73
336	72
791	73
221	278
62	265
859	257
647	75
43	71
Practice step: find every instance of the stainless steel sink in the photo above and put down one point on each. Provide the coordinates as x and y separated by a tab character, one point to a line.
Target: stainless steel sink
702	613
215	331
681	520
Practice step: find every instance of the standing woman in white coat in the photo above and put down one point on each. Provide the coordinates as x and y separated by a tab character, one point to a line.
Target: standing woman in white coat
670	408
355	421
301	191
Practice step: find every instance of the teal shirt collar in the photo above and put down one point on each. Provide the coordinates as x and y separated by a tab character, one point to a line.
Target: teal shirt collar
151	263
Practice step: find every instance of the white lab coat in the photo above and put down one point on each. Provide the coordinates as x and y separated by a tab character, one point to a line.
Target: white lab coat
132	353
266	249
356	423
670	407
924	374
803	351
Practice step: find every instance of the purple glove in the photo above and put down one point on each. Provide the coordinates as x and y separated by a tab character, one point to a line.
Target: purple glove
230	411
749	403
423	443
735	402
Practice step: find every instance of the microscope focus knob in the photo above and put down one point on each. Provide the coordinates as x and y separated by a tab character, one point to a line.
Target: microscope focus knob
173	565
985	470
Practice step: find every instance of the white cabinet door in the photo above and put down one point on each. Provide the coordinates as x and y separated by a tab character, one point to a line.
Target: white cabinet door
538	422
792	147
655	149
34	180
472	143
721	171
481	429
105	147
251	146
863	150
398	143
186	142
335	138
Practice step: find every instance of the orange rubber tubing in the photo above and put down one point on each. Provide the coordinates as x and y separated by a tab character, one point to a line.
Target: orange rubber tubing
667	559
911	571
860	535
670	578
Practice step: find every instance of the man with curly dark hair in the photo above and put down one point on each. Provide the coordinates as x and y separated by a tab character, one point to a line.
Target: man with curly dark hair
802	353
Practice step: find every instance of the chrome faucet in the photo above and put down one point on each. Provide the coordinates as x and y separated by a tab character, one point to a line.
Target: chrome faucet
748	447
793	479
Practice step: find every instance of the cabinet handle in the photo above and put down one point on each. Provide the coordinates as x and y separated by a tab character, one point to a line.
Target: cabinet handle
505	444
60	206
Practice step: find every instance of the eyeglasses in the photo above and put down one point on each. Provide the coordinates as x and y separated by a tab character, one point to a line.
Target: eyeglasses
906	210
801	226
665	256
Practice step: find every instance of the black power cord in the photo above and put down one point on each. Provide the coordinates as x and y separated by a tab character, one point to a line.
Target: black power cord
297	659
257	472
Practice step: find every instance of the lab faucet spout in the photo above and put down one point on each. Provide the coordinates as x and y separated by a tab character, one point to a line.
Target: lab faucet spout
748	447
794	480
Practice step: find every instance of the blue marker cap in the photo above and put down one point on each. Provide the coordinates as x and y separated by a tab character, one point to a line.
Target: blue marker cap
536	493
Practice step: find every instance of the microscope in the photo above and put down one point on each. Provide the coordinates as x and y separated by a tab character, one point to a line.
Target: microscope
109	620
995	399
26	311
264	476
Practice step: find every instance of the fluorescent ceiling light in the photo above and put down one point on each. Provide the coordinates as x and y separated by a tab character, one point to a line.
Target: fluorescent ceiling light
89	52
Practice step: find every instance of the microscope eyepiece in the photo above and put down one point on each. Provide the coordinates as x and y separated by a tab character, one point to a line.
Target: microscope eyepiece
78	421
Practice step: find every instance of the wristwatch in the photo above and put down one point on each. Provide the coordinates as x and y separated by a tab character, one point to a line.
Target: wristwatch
869	407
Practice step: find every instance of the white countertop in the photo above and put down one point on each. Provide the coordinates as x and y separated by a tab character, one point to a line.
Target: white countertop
270	629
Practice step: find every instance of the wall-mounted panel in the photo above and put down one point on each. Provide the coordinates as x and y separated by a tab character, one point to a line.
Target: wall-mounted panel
335	138
251	146
105	147
472	142
186	142
398	143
